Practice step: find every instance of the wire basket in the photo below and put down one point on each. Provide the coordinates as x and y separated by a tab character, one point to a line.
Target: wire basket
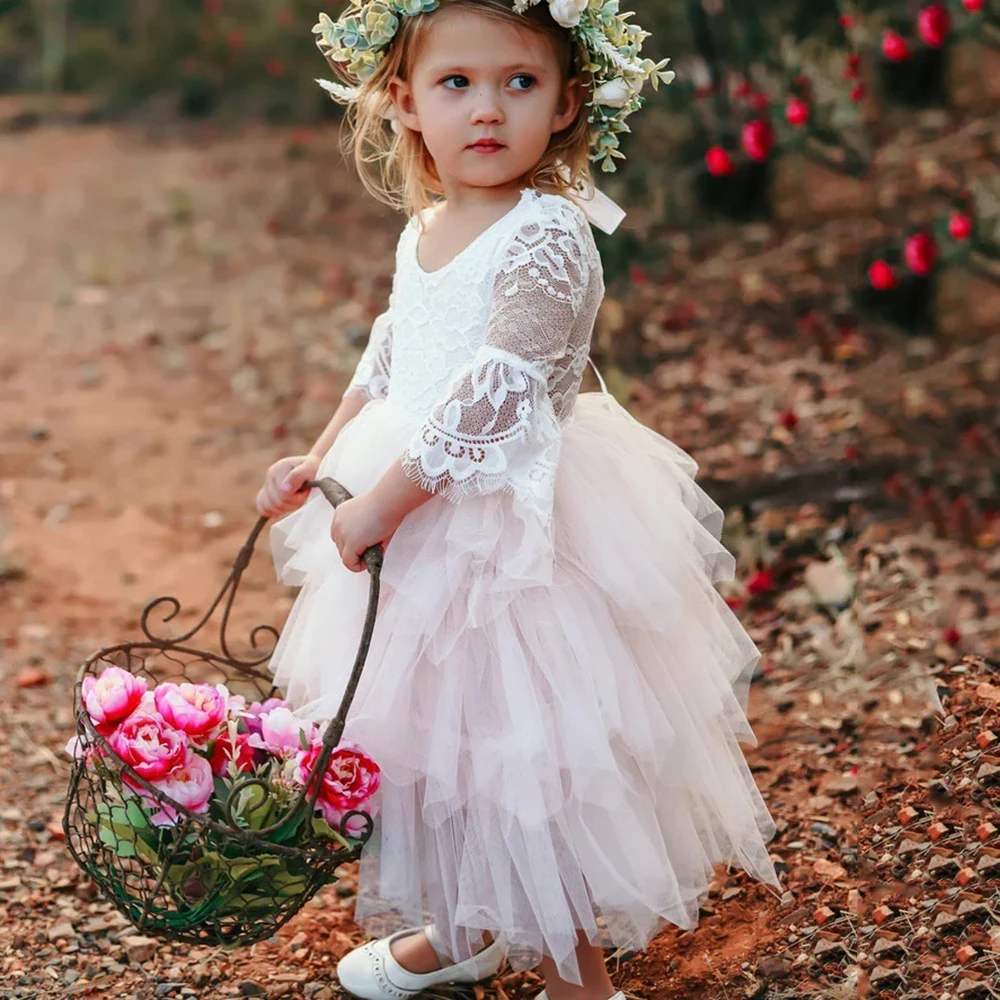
235	877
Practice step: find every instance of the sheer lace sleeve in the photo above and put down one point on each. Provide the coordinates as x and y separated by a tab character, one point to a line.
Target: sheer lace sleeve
495	427
371	377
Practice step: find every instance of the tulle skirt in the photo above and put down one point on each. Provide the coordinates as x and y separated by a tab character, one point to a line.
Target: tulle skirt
556	707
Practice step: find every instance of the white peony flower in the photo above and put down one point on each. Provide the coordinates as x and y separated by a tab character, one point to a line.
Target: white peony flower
567	12
613	94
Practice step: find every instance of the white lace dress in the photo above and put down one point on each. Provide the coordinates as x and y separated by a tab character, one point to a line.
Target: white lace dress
555	692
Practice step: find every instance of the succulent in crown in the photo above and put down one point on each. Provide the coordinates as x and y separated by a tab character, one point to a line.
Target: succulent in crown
608	47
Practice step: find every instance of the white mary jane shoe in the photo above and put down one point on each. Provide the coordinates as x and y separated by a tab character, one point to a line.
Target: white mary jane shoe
617	996
370	972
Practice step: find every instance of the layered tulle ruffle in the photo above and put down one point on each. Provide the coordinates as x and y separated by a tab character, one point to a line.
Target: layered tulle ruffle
556	708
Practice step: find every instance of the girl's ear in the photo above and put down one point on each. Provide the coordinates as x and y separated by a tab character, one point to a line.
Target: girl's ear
569	104
401	96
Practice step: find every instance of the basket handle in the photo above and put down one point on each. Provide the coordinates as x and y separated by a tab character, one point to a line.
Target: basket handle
336	494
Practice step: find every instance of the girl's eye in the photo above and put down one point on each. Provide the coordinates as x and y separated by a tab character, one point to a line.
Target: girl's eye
464	81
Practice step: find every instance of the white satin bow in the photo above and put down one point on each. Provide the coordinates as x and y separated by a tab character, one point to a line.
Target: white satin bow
601	210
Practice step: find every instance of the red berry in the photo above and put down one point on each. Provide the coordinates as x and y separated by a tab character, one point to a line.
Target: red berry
788	419
933	23
952	636
894	485
719	162
973	5
761	582
894	47
882	276
851	453
637	275
972	436
797	112
920	252
760	101
274	67
960	226
846	21
735	603
758	138
858	93
743	88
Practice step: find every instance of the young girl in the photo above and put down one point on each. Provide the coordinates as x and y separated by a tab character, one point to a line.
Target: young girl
554	691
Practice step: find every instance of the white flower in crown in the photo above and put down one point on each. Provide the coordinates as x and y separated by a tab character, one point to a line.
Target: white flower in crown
613	94
567	12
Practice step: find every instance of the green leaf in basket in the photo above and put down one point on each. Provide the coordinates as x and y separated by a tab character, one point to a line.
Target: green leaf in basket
123	848
259	807
245	869
146	851
115	829
136	816
323	829
288	830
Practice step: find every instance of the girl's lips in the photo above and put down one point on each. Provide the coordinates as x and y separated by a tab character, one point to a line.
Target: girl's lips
486	147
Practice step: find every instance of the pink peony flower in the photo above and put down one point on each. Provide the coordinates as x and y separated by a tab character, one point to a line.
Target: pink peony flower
719	162
881	276
195	709
149	745
246	755
960	226
894	47
920	252
253	713
79	749
350	781
758	138
933	23
111	697
797	112
191	784
279	732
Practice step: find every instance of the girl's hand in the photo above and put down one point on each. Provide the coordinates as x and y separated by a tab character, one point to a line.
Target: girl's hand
280	493
359	523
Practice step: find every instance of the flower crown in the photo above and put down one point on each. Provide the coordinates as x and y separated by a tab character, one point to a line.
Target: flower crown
607	46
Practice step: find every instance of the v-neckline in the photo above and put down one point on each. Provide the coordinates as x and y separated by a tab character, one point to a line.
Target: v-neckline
433	274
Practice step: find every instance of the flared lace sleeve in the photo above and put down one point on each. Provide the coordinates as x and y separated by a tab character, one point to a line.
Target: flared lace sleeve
495	427
371	377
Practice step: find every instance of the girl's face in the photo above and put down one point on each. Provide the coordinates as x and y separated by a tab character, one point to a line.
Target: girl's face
474	78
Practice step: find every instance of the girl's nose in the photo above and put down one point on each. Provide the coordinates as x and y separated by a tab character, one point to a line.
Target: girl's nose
487	109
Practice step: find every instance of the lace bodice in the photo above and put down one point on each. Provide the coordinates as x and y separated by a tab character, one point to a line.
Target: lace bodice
488	352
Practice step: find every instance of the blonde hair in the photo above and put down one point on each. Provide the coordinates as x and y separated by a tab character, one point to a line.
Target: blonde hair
398	169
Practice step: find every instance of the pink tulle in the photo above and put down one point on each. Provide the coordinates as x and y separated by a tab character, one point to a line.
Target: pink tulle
556	707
